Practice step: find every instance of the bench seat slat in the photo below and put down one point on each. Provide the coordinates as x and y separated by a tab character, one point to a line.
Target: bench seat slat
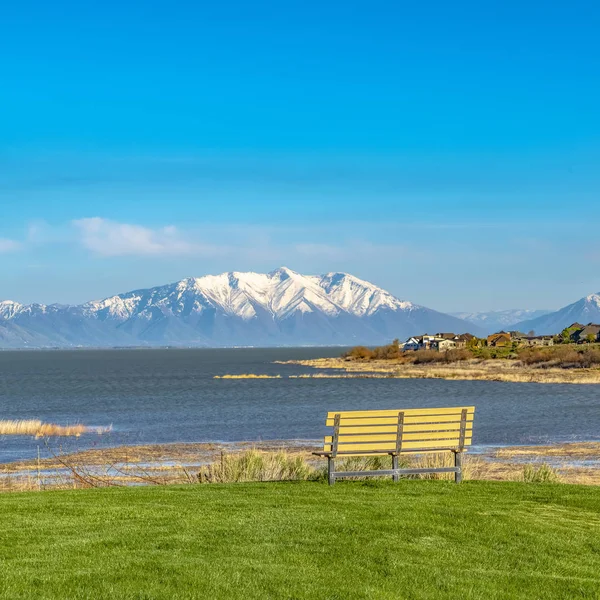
408	412
391	446
393	429
410	420
386	453
406	437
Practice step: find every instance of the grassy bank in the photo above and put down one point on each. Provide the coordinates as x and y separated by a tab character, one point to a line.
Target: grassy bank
568	363
413	540
466	370
562	356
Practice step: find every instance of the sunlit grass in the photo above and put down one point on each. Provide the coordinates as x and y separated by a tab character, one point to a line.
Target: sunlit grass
417	540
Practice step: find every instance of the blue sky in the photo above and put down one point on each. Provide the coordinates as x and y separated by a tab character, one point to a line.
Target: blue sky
448	152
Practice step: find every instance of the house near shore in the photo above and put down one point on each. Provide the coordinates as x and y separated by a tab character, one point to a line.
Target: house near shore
536	340
519	334
587	334
499	340
442	342
413	343
443	345
463	339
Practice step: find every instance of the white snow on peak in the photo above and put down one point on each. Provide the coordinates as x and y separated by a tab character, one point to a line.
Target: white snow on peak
281	293
116	307
9	309
593	299
359	297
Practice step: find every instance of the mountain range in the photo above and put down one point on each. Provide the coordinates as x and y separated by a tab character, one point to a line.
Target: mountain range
496	320
281	308
541	322
584	311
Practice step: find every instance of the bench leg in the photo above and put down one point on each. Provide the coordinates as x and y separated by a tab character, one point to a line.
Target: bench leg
395	476
330	470
458	465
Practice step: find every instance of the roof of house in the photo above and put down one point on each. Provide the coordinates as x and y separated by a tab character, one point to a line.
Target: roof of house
495	338
588	330
465	337
499	335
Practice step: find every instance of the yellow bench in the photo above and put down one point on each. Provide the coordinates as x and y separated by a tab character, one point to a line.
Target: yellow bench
395	432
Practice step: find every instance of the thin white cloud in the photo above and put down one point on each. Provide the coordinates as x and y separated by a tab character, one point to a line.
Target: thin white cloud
110	238
7	246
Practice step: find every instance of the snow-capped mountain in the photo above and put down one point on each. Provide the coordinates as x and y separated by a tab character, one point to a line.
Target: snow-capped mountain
9	309
497	320
584	311
232	309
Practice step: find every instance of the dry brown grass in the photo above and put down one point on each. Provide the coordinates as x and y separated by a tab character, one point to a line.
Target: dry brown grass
38	429
563	458
482	370
247	376
568	356
582	450
277	460
474	467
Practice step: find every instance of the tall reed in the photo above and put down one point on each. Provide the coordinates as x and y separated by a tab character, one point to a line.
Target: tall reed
39	429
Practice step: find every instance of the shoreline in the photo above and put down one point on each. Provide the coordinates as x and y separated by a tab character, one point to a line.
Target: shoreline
472	370
180	463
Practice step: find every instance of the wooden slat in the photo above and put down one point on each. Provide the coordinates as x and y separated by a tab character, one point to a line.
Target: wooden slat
407	437
409	412
408	420
427	427
391	446
362	438
386	453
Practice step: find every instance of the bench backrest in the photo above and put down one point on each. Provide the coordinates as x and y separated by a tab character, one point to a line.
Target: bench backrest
361	432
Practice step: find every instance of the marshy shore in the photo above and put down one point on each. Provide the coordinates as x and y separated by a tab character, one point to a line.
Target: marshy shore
188	463
465	370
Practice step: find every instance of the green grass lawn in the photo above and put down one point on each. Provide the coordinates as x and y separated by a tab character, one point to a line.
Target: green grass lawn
415	539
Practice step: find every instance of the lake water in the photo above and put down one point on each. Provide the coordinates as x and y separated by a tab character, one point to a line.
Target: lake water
160	396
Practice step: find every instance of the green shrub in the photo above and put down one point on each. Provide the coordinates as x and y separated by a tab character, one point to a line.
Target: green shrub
254	465
542	474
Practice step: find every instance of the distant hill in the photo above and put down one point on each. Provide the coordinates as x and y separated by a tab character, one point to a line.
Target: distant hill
281	308
497	320
586	310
